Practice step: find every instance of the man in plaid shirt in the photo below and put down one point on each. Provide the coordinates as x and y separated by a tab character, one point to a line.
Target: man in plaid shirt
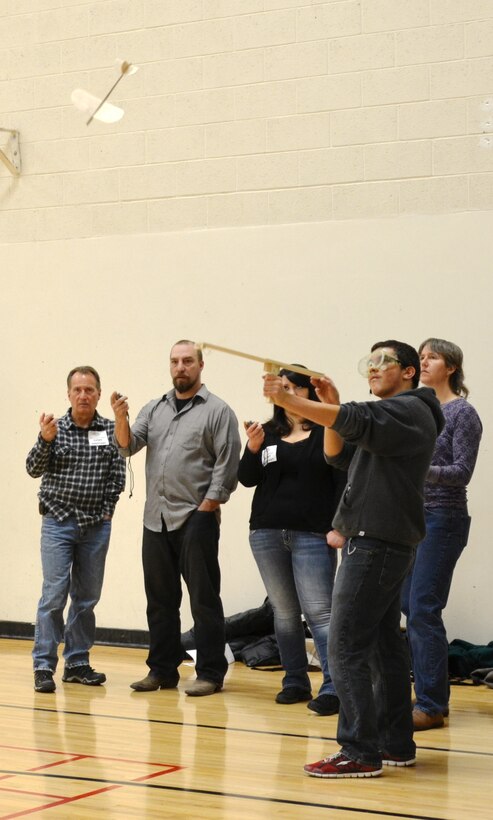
82	478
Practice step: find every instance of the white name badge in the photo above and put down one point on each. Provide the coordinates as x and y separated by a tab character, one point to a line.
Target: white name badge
269	454
98	438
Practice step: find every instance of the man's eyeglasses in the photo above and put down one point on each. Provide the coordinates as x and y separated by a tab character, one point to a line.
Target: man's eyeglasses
378	360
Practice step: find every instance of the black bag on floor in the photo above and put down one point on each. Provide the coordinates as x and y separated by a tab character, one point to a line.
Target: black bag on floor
240	629
262	653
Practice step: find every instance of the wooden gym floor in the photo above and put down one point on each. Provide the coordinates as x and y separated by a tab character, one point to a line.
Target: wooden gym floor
109	752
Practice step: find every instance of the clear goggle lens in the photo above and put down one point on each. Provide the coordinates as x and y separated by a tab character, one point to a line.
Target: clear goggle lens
378	360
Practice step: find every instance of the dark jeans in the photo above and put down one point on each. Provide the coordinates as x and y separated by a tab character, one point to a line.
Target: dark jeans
368	657
424	597
191	552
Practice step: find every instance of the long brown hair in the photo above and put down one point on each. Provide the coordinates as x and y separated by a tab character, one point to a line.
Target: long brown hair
453	357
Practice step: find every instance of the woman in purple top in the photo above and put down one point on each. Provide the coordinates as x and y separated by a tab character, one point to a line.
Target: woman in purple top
426	590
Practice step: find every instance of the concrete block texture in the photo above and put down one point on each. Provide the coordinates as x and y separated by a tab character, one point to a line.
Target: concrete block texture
392	15
237	209
397	160
434	195
455	11
327	20
431	44
366	200
244	112
364	125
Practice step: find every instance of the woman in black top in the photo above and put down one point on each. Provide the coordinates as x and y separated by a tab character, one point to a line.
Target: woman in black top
295	497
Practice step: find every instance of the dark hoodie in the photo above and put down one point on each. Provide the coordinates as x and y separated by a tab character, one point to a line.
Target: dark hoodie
388	446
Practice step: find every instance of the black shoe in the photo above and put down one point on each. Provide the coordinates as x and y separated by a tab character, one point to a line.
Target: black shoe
324	705
84	674
293	694
43	681
154	681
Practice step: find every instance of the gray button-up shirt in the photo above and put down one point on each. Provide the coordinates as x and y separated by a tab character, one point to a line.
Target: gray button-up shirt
191	455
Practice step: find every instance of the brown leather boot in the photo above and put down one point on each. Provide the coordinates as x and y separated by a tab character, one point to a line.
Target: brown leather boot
200	687
445	712
423	721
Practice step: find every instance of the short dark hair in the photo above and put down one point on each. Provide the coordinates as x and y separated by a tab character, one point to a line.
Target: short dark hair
453	357
279	424
86	370
194	344
406	354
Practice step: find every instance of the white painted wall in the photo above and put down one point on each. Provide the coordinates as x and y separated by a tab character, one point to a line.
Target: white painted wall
291	178
317	293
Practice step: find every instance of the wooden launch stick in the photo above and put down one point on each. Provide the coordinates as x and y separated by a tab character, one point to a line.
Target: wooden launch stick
270	365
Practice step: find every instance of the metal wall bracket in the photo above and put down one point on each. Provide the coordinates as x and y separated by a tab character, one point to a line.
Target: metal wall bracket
12	162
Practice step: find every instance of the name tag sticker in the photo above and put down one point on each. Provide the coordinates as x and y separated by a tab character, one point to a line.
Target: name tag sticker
97	438
269	454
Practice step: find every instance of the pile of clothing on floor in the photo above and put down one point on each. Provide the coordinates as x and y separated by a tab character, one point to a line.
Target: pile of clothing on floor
470	661
251	638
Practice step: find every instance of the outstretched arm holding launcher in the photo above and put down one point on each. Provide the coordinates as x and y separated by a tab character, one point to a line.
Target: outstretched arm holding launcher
324	412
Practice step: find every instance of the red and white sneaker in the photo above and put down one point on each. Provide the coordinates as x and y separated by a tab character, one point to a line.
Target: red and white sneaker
339	765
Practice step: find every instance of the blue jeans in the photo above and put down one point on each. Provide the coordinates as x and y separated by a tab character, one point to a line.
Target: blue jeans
72	560
298	570
368	656
192	552
424	597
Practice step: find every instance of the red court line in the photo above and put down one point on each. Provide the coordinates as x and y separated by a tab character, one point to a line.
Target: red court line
28	791
45	765
70	756
57	763
61	802
144	777
164	768
168	770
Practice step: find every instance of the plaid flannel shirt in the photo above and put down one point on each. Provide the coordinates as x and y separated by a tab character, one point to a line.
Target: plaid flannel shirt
78	478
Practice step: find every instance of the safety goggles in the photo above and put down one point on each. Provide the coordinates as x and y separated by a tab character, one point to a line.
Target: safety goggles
378	360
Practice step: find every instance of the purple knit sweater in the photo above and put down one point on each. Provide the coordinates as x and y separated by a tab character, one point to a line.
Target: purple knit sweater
455	456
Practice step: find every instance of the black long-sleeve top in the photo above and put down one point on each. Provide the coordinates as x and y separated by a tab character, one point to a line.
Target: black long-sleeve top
388	446
295	487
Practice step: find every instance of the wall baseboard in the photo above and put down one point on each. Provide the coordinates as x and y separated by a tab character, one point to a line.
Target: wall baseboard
138	638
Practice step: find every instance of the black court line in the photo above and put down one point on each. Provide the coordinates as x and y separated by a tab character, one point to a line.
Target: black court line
268	732
233	795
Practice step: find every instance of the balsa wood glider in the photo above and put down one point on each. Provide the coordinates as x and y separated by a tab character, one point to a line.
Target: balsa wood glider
101	109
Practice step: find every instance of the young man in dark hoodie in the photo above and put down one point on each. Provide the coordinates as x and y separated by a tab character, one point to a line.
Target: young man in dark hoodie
386	447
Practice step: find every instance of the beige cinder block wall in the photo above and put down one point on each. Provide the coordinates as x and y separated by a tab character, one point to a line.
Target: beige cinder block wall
293	179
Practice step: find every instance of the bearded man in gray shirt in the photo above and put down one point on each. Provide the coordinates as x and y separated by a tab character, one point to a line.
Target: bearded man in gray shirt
193	448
